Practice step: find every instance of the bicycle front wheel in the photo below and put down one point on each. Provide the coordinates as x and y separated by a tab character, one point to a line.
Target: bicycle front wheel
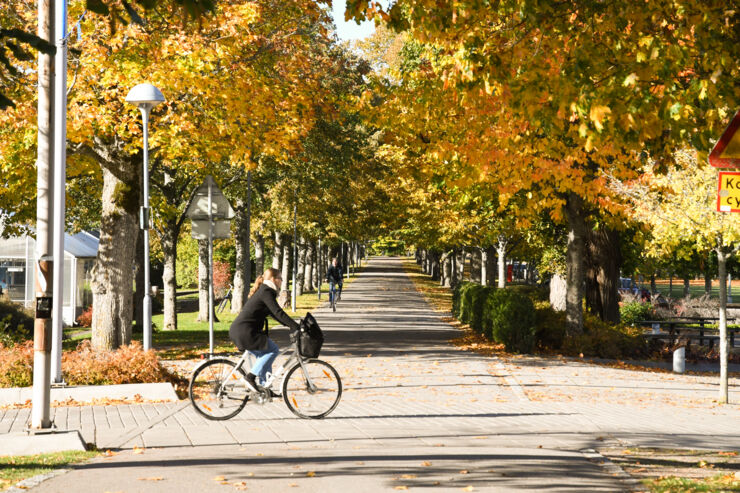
312	390
217	391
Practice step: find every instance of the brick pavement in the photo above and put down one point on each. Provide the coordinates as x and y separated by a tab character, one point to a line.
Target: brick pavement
410	399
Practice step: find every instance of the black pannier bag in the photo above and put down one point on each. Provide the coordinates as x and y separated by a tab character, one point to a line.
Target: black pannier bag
310	338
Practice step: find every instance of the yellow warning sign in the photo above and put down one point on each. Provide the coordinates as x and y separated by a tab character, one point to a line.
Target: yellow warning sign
728	191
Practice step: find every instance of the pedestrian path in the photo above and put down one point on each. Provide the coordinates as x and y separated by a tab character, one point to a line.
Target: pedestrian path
416	412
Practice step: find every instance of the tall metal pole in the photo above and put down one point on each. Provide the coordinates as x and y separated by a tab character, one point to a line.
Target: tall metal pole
60	172
295	254
40	407
147	304
318	266
210	265
248	272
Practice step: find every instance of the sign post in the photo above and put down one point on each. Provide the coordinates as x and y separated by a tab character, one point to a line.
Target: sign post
210	212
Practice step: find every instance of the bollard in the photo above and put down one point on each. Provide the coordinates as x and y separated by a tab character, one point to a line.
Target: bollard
679	360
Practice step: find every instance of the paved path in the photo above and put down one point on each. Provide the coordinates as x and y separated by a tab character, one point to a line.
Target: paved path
416	413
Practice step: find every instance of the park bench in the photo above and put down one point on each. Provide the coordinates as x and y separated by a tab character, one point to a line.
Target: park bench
687	328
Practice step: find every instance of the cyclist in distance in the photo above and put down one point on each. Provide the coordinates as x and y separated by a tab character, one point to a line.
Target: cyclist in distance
334	276
249	329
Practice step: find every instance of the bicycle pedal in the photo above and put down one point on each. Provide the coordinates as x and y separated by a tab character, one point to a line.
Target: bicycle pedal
262	397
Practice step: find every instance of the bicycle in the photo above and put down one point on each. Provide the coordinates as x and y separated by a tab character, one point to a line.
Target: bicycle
311	388
221	306
334	295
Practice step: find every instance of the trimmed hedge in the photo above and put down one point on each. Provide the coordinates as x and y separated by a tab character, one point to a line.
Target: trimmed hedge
457	298
506	316
520	318
512	319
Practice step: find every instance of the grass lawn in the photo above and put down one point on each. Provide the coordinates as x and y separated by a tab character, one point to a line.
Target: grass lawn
17	468
696	288
665	470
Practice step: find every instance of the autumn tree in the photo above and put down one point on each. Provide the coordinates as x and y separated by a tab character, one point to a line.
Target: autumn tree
550	96
680	204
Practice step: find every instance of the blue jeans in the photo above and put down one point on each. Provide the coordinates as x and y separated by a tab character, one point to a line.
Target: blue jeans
333	290
264	361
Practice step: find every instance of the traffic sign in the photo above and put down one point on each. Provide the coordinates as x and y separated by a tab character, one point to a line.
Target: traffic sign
728	191
726	152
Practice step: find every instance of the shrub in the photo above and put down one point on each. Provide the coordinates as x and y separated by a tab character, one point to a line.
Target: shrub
604	340
457	294
467	304
477	302
634	311
85	318
16	322
127	364
549	326
221	279
16	365
533	292
511	316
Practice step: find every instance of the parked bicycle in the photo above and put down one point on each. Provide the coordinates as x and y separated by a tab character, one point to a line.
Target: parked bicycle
311	388
221	306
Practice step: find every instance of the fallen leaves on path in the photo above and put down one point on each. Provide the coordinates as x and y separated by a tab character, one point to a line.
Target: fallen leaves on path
158	478
138	450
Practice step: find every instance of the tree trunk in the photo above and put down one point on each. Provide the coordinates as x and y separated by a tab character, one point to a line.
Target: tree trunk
460	264
301	271
287	269
435	265
242	271
707	281
317	265
203	283
168	242
277	250
446	270
574	263
453	268
653	286
558	292
501	254
259	256
476	265
724	347
686	285
309	265
603	259
484	272
670	285
113	281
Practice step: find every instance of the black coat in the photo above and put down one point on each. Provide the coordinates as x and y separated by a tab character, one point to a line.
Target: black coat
249	331
334	274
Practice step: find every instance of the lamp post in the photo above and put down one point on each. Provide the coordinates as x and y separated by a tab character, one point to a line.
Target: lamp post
145	97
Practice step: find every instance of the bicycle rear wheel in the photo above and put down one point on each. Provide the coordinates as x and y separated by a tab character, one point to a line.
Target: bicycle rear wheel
313	393
214	397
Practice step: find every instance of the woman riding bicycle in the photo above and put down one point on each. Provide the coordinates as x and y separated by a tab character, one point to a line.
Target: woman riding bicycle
249	329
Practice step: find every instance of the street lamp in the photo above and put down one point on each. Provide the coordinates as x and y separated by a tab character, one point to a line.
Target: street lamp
146	97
